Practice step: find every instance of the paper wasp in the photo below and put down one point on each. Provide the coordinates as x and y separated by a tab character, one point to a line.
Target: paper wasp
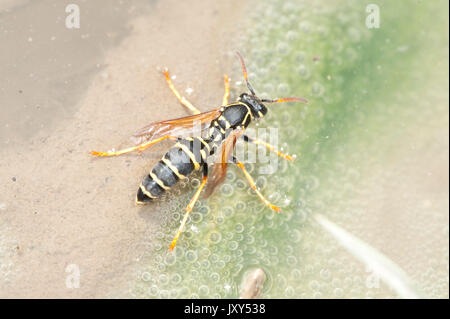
221	127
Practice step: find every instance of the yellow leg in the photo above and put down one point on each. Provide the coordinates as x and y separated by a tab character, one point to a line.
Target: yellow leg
180	98
188	210
226	95
253	186
134	148
269	147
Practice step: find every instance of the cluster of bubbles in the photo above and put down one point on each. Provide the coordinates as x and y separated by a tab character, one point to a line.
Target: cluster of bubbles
314	50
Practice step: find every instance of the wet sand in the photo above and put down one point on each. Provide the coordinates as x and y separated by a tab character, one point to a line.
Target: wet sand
60	206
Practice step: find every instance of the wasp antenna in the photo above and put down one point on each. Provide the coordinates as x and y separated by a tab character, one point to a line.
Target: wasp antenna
288	99
244	71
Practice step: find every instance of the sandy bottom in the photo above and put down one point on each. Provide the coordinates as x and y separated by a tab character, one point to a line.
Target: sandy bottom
58	205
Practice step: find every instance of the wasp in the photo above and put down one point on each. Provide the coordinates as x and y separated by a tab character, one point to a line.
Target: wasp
220	129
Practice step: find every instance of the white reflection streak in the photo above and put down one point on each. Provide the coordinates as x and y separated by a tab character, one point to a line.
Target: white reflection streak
386	269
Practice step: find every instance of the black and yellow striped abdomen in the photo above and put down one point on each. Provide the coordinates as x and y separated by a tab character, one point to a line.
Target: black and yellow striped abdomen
176	164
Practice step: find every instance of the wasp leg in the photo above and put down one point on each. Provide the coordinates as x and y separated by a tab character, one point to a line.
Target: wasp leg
253	186
180	98
269	147
226	95
140	147
190	206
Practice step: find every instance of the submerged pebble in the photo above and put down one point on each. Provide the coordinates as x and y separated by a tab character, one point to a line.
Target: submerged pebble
253	284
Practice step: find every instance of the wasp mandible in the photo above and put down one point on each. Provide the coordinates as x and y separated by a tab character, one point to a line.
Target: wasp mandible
220	129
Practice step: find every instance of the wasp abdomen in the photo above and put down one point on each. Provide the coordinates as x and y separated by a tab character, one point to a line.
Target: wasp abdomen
176	164
166	176
148	190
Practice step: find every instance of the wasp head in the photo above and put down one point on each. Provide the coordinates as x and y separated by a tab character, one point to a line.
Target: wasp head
256	105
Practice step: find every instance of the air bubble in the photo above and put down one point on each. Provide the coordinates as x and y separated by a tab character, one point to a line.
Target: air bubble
153	290
215	277
240	185
195	182
227	190
220	220
239	228
325	274
191	256
296	274
295	236
288	249
273	250
145	276
289	292
317	89
173	294
300	56
305	26
303	72
203	291
273	261
194	274
291	261
215	237
163	279
176	216
204	210
231	176
338	292
206	264
292	35
170	259
176	279
314	285
240	206
261	183
239	253
283	48
227	211
213	258
233	245
249	239
196	217
283	89
238	237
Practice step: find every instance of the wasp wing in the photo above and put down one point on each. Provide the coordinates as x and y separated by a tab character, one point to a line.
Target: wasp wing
220	166
183	126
